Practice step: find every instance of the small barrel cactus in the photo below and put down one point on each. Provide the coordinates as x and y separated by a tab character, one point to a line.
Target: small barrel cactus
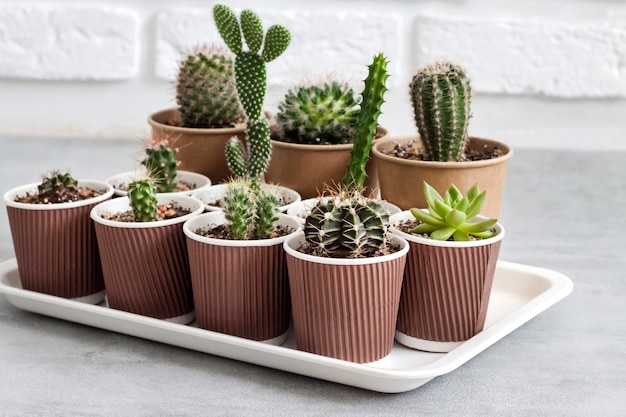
161	163
205	89
250	210
452	216
346	225
323	113
143	201
441	96
251	80
57	182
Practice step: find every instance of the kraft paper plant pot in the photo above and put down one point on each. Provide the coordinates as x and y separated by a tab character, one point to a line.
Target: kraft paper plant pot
210	196
240	287
446	289
199	150
145	263
55	244
402	180
196	181
308	168
345	308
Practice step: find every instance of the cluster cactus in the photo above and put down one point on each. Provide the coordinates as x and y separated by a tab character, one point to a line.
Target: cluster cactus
251	80
56	182
205	88
161	163
321	113
453	215
250	210
347	224
142	197
441	96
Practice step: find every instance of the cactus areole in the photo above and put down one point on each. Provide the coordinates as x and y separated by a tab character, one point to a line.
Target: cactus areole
250	79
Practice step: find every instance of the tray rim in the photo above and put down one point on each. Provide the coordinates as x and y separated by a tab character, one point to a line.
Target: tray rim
404	379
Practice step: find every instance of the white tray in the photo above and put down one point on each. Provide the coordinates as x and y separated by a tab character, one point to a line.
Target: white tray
519	293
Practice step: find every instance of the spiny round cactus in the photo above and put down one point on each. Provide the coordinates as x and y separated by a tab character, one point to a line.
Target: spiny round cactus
56	182
143	201
251	81
452	216
346	225
205	88
323	113
249	209
161	162
441	96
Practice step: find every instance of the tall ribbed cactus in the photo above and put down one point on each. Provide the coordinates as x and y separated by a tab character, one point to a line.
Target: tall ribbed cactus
250	78
319	113
143	201
441	96
205	88
161	163
367	121
347	224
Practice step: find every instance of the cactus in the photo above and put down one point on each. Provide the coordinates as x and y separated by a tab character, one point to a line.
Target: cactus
441	96
367	121
142	196
250	210
205	89
161	163
56	182
452	216
250	79
347	224
323	113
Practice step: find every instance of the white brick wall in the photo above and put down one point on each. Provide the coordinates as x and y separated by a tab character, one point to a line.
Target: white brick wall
99	67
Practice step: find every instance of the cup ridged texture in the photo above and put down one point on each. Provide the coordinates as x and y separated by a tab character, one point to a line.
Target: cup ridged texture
56	251
446	291
345	311
146	270
241	291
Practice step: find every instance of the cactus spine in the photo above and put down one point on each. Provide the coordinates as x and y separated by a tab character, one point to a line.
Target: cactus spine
250	79
205	89
441	96
347	224
250	210
143	201
161	163
324	113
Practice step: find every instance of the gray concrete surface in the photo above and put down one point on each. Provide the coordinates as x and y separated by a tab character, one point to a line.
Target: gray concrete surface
562	210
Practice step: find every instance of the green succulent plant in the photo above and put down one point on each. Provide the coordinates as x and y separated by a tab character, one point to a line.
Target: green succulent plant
441	96
251	80
205	88
323	113
250	210
56	182
142	197
161	163
453	215
348	224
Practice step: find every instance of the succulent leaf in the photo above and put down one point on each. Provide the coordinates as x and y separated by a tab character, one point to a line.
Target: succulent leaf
235	156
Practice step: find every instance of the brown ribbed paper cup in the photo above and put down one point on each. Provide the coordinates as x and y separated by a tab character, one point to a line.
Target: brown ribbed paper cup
240	287
345	308
446	290
145	264
55	244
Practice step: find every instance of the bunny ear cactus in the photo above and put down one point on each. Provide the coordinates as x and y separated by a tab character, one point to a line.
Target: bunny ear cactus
319	114
452	216
143	201
161	163
251	79
205	89
348	224
441	96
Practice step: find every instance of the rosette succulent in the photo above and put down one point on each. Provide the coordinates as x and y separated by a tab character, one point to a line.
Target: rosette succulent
453	215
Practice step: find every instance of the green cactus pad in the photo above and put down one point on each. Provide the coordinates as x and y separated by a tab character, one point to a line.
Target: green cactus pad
277	40
228	27
251	83
252	29
236	158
